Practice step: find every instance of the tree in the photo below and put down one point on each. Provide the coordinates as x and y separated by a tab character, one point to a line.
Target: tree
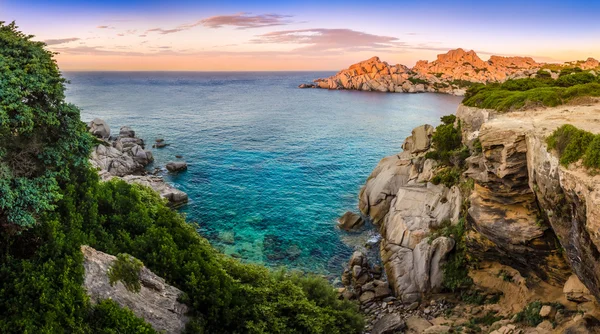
41	136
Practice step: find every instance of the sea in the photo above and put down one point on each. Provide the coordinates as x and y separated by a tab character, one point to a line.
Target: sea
270	166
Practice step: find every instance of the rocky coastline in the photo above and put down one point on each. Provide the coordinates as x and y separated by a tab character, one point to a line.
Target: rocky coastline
451	73
124	156
530	231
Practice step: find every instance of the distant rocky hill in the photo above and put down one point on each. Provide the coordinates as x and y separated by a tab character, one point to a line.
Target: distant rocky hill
451	73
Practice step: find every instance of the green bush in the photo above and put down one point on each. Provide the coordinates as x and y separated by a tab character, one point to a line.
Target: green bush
447	143
573	144
126	269
108	318
570	143
447	176
530	315
591	158
541	91
41	135
575	79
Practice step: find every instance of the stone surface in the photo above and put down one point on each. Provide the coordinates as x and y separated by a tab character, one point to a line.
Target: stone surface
350	221
547	311
388	324
99	128
575	291
176	166
417	325
156	302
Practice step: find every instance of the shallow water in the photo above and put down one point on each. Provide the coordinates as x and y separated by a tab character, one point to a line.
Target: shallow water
271	166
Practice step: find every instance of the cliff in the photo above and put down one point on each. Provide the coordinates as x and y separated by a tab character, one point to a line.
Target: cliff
531	223
450	73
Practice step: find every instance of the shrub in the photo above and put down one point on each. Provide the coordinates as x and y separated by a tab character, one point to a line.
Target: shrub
570	143
107	317
530	315
591	158
447	176
417	81
41	135
575	79
126	269
573	144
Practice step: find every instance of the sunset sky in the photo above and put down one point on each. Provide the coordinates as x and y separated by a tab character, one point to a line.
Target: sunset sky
300	35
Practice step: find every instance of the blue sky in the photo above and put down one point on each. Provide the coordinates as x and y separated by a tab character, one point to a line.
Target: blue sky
300	35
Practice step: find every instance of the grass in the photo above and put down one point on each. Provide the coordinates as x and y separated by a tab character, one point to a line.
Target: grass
542	91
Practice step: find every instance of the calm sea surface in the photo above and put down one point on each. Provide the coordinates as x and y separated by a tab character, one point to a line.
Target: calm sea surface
271	166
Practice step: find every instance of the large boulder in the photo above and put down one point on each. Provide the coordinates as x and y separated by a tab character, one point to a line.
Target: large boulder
157	302
176	166
575	291
99	128
388	324
126	131
350	221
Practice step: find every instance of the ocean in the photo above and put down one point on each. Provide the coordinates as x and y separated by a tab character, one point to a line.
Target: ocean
270	166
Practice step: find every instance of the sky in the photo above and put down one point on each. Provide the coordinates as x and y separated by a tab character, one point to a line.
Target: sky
183	35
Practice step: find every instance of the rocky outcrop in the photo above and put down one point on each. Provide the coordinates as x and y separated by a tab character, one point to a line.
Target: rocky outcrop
530	212
400	200
124	157
450	73
157	302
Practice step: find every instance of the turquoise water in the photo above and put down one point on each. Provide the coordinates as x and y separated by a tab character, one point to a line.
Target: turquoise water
271	166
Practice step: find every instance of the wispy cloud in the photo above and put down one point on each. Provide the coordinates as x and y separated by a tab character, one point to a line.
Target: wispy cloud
60	41
321	39
105	27
245	21
239	21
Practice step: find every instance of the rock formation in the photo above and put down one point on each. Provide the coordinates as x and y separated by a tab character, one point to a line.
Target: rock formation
450	73
532	211
399	199
528	214
124	157
156	302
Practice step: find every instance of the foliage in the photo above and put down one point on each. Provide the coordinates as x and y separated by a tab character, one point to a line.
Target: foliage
530	314
42	266
447	142
456	272
463	83
488	319
107	317
126	269
417	81
540	91
570	143
573	144
447	176
41	135
591	159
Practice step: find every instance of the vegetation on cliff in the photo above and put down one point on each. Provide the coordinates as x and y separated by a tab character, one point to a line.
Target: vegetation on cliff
56	204
539	91
573	144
